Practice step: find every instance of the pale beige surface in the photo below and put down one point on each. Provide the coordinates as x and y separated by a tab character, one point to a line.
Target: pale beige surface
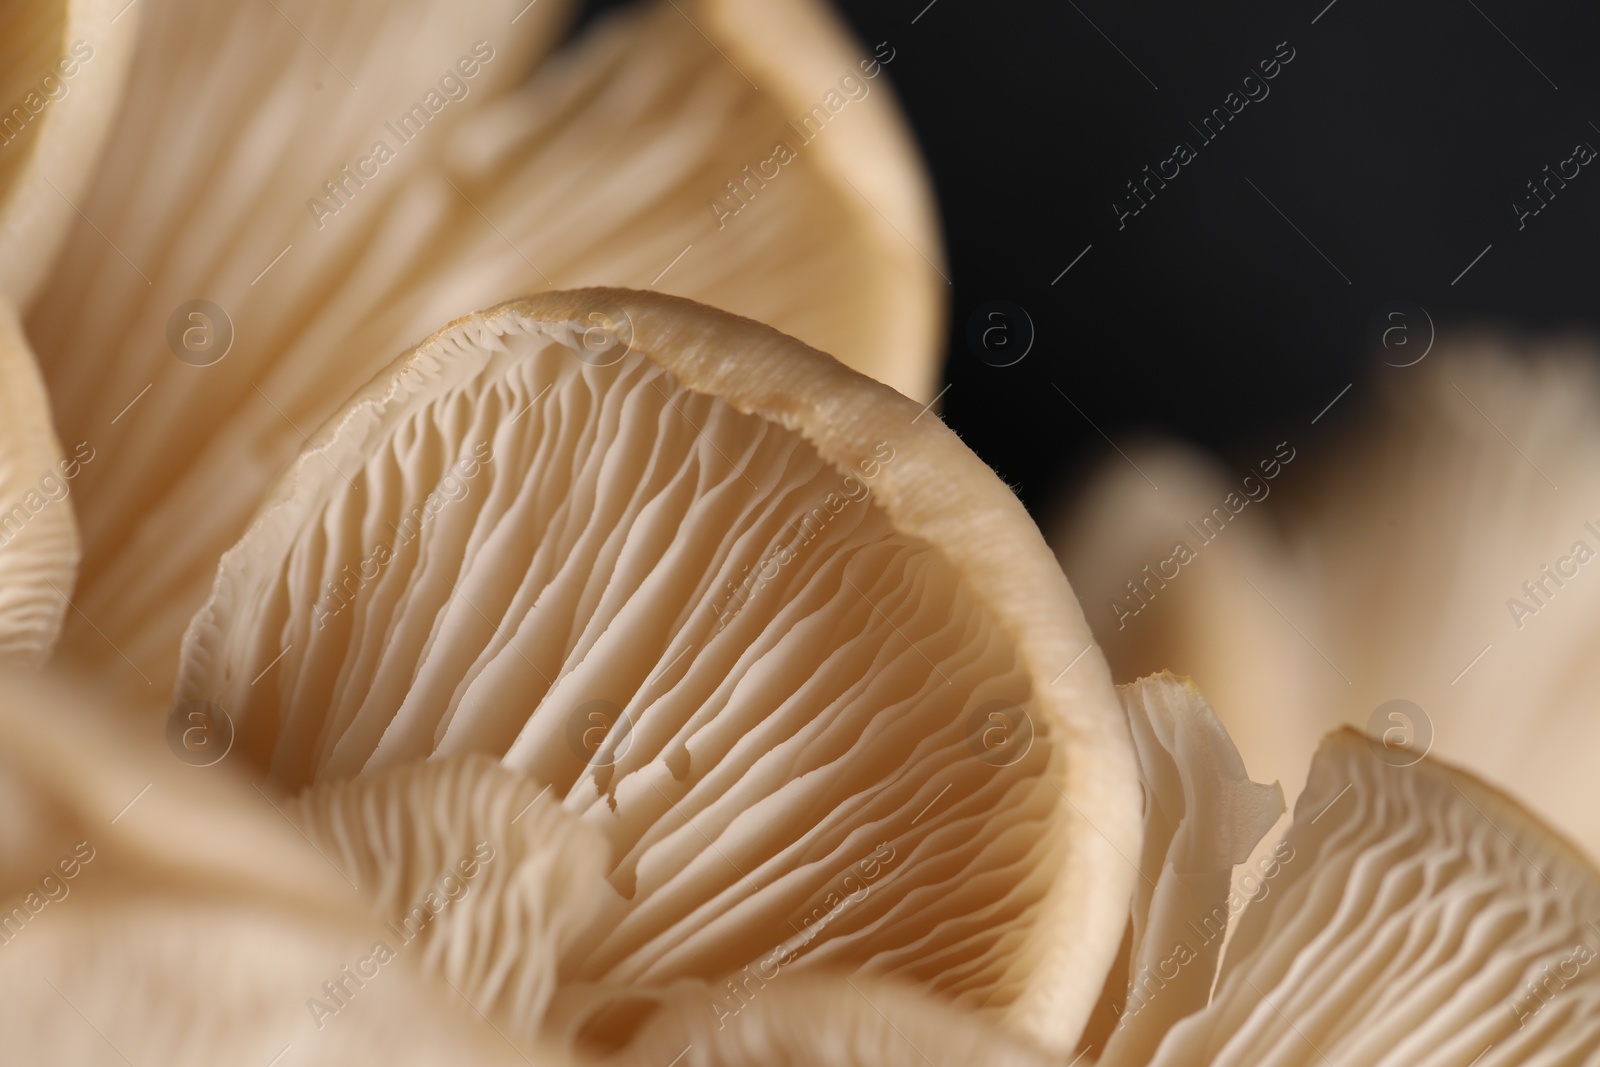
601	169
580	554
1420	917
1385	561
169	914
62	65
1203	817
38	537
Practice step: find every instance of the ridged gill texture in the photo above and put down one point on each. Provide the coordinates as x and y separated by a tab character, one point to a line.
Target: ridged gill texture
798	726
1417	917
245	171
1203	816
1422	555
154	912
38	534
473	862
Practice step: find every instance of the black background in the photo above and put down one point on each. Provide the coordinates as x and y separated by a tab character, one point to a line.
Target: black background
1395	142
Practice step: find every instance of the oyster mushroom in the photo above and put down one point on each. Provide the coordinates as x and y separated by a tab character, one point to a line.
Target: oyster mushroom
1420	916
751	614
167	913
244	171
155	912
38	537
1203	817
1437	554
1410	914
478	866
503	940
60	66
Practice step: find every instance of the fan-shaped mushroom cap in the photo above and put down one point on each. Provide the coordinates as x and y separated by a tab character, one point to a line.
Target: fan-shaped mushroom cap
761	619
1416	916
477	866
38	537
244	171
61	64
152	911
1441	553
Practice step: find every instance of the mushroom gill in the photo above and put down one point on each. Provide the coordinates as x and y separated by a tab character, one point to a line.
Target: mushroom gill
1411	914
1420	917
156	912
815	1020
61	64
260	188
471	861
38	537
1438	550
795	652
1203	817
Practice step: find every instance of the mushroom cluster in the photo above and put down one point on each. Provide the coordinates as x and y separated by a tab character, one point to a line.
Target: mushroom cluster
634	670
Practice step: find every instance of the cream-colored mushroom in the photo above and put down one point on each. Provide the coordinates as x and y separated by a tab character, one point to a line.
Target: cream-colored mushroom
833	1020
1203	816
1420	917
1439	553
38	537
153	911
477	866
245	171
61	64
1411	914
764	622
523	887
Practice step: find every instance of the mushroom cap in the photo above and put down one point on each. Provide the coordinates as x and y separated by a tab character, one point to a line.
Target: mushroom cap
1411	914
244	171
1424	554
156	911
827	1019
61	65
1203	817
38	534
482	875
750	612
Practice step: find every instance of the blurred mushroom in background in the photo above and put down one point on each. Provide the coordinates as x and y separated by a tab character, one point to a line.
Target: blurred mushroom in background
1423	576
